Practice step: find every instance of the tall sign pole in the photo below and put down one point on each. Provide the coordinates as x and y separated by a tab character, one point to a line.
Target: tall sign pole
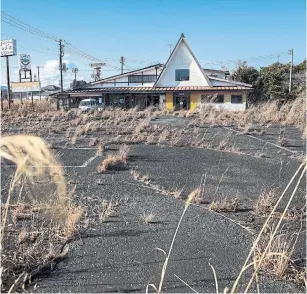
8	81
40	92
61	64
8	48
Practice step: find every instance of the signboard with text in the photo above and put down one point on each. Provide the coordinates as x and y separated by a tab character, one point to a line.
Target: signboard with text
26	87
24	62
8	47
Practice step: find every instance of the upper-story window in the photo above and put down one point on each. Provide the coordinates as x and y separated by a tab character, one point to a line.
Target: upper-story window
182	74
142	78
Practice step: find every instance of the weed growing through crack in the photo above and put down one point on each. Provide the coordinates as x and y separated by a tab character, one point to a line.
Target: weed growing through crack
100	148
266	202
106	210
116	161
148	218
277	259
140	177
225	204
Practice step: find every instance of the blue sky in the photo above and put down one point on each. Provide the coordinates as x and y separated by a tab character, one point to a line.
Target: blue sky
218	31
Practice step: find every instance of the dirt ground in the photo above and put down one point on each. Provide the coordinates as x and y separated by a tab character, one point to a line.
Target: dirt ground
119	254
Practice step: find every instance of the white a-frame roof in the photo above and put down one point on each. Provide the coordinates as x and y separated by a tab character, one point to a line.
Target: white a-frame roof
182	57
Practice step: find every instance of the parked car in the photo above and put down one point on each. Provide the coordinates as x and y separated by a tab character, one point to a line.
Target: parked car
88	104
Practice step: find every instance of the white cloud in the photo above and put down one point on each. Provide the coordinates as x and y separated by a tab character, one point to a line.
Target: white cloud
50	74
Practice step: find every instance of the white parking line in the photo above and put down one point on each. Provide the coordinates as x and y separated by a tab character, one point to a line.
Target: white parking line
266	142
86	163
75	148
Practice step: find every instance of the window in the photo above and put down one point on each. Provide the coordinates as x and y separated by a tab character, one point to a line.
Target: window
149	78
141	78
182	74
218	99
236	99
212	98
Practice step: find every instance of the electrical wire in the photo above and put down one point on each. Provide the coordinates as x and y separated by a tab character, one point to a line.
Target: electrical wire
20	24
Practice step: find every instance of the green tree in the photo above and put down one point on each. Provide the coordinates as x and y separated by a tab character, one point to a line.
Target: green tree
275	79
245	73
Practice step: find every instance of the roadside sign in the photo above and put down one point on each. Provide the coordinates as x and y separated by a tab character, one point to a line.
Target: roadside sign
24	62
26	87
97	64
8	47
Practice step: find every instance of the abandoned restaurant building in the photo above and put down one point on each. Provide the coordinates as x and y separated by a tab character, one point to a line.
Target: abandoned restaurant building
179	84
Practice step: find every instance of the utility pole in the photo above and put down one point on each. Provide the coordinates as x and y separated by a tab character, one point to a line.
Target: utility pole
61	54
75	70
122	64
8	80
291	66
61	65
40	92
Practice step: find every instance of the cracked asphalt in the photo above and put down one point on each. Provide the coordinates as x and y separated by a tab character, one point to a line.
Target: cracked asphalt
122	254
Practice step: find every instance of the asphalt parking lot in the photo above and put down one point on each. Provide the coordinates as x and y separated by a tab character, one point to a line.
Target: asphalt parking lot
121	255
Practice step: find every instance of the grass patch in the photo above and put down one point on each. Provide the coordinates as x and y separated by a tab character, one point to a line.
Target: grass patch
266	202
148	218
38	215
116	161
225	204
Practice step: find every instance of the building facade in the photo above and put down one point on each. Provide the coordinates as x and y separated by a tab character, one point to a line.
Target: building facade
181	83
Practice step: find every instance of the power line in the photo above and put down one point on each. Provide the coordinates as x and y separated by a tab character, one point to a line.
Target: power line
30	29
20	24
74	50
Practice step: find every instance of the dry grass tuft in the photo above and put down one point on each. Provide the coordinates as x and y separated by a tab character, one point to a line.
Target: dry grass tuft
106	210
266	202
47	220
277	259
283	142
225	204
148	218
100	148
116	161
139	177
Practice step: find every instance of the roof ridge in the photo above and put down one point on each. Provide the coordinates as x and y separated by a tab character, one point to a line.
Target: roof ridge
183	39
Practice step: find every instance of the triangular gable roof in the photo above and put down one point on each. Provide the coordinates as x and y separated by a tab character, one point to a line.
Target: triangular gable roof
182	39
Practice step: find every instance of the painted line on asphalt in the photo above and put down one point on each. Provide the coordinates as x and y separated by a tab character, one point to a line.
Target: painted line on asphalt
11	165
266	142
74	148
86	163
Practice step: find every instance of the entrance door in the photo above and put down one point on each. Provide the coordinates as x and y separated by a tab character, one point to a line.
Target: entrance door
181	101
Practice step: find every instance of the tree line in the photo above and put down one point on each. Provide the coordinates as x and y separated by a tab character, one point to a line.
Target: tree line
271	82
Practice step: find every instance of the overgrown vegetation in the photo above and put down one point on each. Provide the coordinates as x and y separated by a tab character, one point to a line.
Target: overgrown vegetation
39	227
271	82
116	161
36	221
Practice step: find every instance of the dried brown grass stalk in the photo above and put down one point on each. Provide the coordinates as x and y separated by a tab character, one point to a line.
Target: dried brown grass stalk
32	159
266	201
116	161
225	204
301	170
43	219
